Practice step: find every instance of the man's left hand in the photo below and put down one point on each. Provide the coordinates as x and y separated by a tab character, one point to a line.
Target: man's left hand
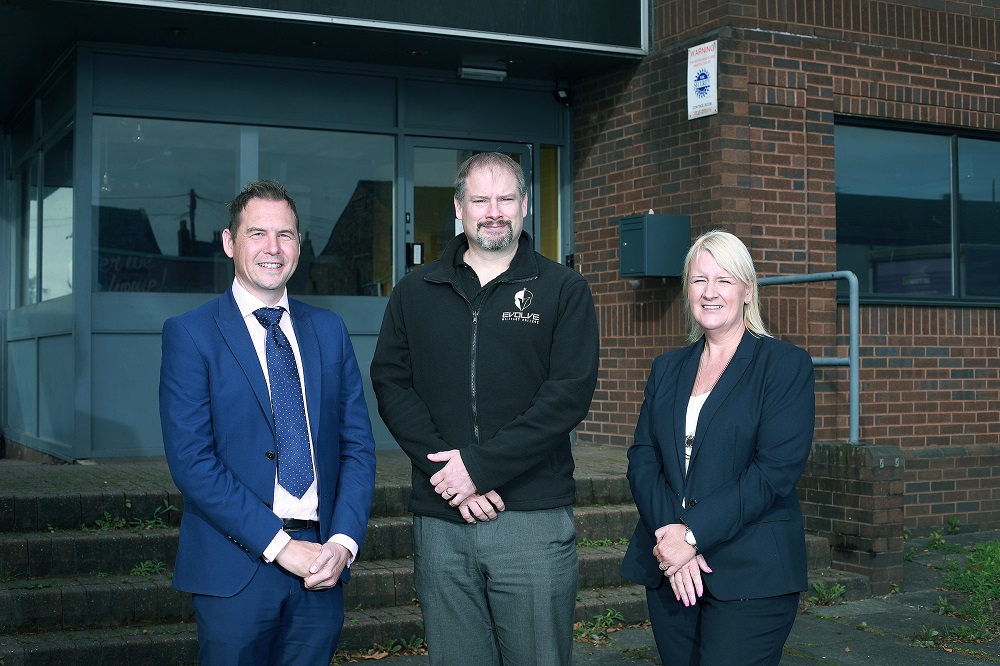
482	508
452	482
325	570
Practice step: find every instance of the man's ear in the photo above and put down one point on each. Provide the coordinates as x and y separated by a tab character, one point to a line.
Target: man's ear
227	242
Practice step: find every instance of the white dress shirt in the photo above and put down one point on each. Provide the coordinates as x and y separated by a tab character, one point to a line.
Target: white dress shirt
285	504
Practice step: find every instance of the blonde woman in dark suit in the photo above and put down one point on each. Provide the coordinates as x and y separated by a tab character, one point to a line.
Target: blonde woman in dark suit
722	437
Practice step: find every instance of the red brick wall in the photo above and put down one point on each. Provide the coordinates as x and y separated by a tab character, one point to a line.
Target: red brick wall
763	168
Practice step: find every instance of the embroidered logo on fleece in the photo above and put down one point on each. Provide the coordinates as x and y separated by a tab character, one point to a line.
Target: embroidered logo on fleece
522	300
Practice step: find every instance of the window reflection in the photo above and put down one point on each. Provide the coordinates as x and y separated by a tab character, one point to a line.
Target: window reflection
893	194
163	186
342	184
29	234
896	227
57	220
979	217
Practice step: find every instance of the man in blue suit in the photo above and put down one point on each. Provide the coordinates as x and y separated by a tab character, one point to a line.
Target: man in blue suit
277	473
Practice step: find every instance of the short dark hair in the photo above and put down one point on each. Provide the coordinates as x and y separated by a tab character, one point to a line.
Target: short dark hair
493	162
269	190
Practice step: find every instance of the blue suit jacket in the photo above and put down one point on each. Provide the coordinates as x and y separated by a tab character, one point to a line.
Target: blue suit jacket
753	439
218	435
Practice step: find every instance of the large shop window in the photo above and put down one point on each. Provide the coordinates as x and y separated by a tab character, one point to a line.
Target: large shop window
918	217
162	189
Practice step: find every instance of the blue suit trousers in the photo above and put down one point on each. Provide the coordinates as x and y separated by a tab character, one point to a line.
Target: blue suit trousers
274	620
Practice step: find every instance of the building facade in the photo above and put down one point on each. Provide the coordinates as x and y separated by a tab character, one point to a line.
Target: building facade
851	135
131	125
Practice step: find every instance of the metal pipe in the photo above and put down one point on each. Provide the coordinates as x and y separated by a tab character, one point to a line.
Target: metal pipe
853	359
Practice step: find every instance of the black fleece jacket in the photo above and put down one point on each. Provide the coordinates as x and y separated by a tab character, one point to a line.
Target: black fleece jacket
506	384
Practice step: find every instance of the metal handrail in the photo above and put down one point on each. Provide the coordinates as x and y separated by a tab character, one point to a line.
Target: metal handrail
853	342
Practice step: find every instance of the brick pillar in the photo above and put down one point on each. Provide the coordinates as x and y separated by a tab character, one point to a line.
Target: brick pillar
853	496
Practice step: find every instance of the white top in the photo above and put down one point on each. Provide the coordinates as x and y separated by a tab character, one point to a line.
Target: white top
695	403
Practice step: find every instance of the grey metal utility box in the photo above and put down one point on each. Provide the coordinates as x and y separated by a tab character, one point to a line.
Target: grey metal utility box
653	245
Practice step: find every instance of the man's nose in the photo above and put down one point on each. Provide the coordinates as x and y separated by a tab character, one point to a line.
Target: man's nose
494	208
271	244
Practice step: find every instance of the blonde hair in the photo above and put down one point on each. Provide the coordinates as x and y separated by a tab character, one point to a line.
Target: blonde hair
732	255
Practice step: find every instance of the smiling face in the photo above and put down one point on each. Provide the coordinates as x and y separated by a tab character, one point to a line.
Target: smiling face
491	211
264	248
716	297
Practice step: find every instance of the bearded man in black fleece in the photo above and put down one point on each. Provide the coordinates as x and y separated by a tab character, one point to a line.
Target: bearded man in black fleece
486	361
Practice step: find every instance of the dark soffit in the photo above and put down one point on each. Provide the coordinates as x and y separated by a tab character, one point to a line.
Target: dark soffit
34	34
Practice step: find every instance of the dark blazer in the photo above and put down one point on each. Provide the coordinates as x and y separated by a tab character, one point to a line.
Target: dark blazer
218	434
753	438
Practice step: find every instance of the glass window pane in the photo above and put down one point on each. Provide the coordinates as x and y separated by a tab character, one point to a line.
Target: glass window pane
57	220
342	185
893	194
162	189
29	235
979	217
434	221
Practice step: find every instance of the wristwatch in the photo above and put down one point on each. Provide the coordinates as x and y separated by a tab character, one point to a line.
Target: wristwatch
689	538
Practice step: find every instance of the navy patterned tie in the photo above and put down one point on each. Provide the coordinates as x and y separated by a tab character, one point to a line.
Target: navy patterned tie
295	471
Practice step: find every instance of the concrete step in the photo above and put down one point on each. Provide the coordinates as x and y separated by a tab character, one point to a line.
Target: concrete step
175	644
120	600
77	553
390	538
382	583
818	554
856	586
160	645
67	596
36	498
383	577
90	602
364	628
72	510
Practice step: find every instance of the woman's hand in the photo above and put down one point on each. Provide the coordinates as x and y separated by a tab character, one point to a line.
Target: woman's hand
686	581
680	563
671	550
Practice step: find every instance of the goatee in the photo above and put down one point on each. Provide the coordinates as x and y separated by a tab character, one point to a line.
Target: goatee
491	244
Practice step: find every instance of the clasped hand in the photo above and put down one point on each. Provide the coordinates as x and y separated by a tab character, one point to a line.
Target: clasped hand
319	565
680	563
453	483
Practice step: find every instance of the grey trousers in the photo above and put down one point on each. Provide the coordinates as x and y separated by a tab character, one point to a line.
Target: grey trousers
498	593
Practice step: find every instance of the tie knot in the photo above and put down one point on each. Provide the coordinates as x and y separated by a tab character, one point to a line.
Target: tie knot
269	317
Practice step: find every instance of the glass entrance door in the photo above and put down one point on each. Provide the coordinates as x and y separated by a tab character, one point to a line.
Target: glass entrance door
431	166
